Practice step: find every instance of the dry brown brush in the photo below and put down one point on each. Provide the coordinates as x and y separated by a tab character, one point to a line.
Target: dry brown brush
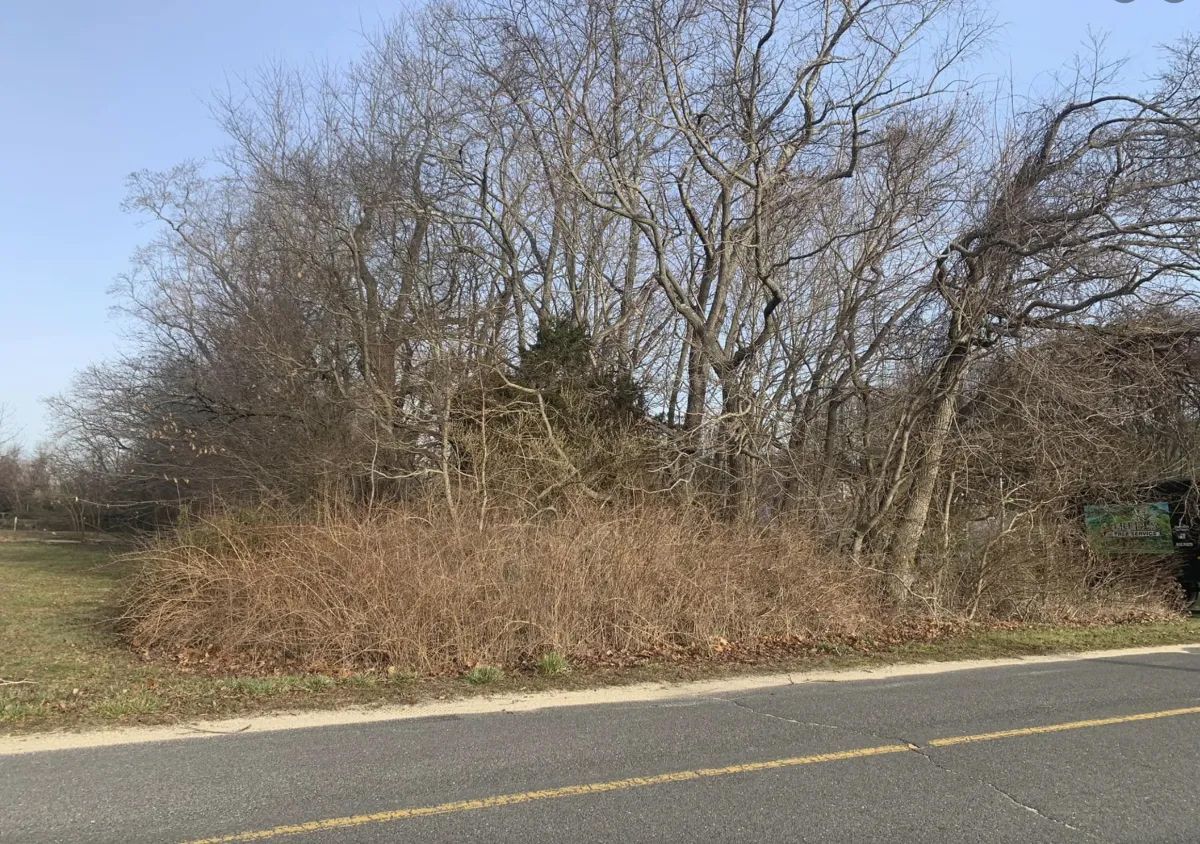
427	592
420	590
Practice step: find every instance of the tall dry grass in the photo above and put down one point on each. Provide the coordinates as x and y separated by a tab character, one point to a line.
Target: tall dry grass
427	591
1040	570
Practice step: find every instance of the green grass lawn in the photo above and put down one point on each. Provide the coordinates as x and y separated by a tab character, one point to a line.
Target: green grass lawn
62	665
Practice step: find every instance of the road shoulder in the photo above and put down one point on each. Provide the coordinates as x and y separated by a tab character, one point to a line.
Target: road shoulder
528	702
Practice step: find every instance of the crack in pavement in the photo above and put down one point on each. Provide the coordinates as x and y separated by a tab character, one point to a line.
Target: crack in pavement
925	754
840	727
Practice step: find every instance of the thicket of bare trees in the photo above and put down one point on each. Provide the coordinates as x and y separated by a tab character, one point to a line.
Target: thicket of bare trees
768	257
28	482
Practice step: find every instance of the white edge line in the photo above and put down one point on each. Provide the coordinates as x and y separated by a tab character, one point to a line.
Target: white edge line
634	693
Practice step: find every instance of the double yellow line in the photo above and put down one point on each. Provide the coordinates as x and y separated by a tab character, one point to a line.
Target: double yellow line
674	776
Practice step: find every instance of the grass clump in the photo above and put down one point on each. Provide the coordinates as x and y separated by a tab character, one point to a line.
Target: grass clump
552	664
128	705
484	675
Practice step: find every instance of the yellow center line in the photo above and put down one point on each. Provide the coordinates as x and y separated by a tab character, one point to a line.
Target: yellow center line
674	776
1069	725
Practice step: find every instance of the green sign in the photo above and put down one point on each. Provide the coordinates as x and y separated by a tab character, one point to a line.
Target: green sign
1129	528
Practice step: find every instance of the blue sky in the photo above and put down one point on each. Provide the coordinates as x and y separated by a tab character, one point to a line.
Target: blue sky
91	91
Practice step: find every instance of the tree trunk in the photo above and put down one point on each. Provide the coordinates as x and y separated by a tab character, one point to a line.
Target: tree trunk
697	368
911	525
830	446
738	496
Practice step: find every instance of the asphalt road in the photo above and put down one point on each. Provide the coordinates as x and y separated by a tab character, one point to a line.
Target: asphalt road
1093	750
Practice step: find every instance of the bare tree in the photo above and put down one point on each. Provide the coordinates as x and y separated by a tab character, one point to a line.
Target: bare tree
1093	202
756	253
